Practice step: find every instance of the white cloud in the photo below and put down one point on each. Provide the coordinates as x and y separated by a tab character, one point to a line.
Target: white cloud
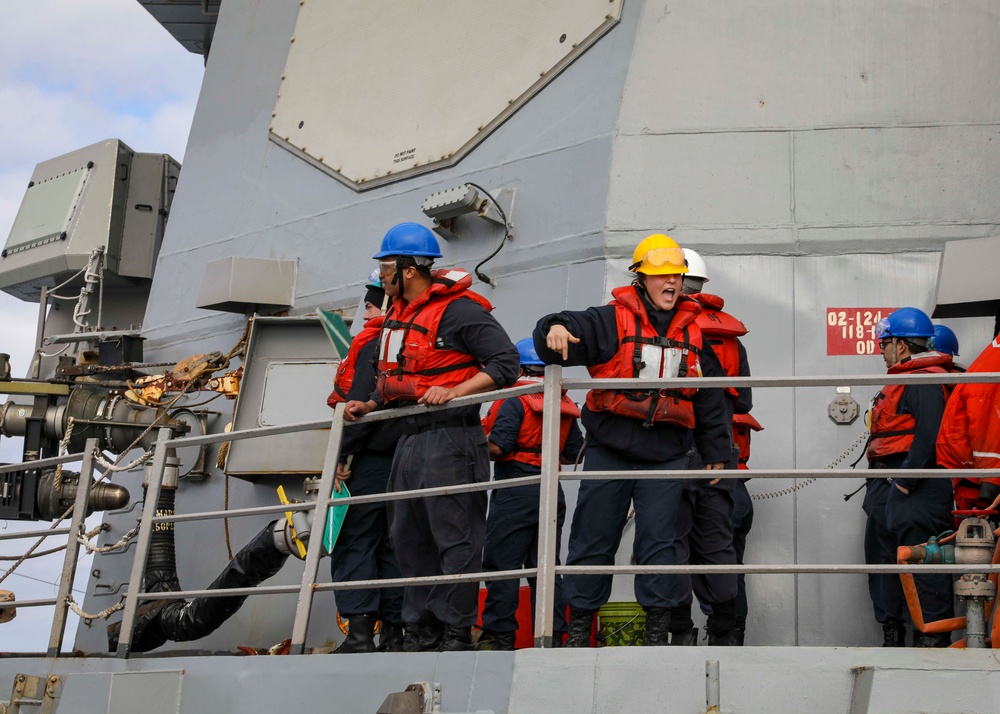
72	73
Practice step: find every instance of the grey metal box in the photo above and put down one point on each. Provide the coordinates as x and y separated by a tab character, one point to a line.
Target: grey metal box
241	285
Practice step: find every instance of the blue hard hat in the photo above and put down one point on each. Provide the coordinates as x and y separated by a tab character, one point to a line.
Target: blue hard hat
526	350
905	322
409	239
945	341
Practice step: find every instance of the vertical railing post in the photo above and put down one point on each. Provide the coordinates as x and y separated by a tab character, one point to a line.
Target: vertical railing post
303	608
36	362
72	549
548	500
152	496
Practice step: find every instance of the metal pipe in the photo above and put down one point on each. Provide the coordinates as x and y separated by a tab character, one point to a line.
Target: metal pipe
34	534
72	549
786	473
27	603
51	461
712	687
345	585
304	607
146	527
89	336
860	380
381	415
548	499
36	363
774	569
373	498
975	623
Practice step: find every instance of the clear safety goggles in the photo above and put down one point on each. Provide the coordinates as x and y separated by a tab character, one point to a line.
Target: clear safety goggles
882	329
386	267
658	257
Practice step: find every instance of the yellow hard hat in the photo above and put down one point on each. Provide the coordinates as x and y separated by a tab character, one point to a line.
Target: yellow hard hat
658	255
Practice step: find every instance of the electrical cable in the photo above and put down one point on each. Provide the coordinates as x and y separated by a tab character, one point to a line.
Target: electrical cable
506	236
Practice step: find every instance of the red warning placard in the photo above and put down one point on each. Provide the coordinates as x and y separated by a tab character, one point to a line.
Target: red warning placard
851	330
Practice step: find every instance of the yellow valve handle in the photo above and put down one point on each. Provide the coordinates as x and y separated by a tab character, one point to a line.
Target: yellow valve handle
291	526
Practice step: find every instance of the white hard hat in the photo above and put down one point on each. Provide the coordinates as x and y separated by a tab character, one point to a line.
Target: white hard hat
696	265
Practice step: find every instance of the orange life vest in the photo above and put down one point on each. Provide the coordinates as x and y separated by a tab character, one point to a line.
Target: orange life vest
528	447
743	424
345	372
642	353
409	360
892	432
721	330
970	430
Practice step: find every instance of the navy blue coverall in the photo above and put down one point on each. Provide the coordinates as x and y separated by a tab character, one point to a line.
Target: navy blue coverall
363	550
443	535
623	444
512	524
895	518
705	508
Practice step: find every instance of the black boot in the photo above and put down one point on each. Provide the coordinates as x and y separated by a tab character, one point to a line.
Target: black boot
581	626
687	638
390	638
726	638
430	636
504	641
894	634
657	627
682	629
459	639
360	635
411	637
558	638
931	639
723	630
741	629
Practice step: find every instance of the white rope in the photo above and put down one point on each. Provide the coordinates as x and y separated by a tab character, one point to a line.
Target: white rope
63	449
102	615
86	543
112	468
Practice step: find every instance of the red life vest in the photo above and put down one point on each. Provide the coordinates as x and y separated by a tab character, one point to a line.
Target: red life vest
345	372
743	424
642	353
528	447
409	360
892	432
721	330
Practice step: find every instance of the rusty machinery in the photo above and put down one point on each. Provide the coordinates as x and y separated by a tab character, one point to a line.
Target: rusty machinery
113	403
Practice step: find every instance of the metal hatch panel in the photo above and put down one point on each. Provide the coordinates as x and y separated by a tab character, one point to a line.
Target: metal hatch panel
289	369
374	91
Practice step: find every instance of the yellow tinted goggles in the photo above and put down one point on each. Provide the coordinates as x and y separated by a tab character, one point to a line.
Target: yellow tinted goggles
658	257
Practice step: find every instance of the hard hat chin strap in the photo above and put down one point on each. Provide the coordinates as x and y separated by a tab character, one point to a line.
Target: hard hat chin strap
397	278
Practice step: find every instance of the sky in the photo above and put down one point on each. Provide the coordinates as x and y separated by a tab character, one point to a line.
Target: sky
72	73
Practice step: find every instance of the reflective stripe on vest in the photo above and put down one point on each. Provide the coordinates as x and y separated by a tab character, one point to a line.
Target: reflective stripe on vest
644	354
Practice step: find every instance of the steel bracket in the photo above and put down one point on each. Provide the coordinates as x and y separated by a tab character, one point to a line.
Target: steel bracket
29	690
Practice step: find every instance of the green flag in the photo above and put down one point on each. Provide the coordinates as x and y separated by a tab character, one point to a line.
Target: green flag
337	330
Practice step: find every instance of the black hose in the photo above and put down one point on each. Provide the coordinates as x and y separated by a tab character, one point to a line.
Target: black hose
183	620
161	576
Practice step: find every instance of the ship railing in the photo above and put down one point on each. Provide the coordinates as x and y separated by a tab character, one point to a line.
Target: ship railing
548	479
87	460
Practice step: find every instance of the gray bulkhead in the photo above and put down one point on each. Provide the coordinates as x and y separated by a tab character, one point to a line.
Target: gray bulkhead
818	155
